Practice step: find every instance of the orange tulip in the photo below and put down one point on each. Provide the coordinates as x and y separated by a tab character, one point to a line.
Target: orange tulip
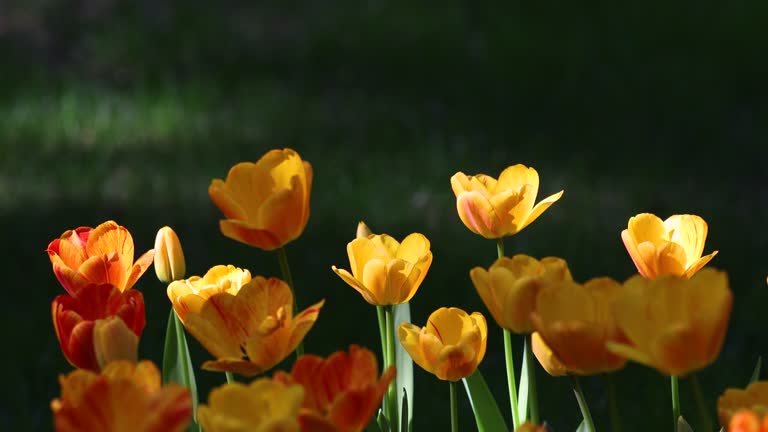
342	392
451	346
748	421
510	286
266	204
101	255
125	397
499	208
674	324
575	321
672	247
74	319
753	399
249	328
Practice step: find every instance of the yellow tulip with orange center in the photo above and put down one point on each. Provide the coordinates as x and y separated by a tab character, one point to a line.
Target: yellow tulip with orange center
264	405
498	208
510	286
673	324
753	399
673	246
450	346
573	324
385	271
125	397
101	255
266	203
247	324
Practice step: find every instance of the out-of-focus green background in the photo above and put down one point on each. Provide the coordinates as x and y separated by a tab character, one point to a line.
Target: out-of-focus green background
125	110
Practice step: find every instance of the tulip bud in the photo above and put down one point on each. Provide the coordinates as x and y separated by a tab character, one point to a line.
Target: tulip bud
113	340
363	230
169	257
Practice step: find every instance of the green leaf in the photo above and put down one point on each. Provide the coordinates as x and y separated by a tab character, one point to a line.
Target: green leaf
403	362
522	391
383	422
582	427
487	414
405	422
177	363
756	373
683	426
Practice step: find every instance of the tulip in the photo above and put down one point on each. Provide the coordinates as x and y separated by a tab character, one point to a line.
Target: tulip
101	255
748	421
753	399
674	324
531	427
264	405
126	396
169	257
509	287
266	204
499	208
74	319
194	291
451	346
248	328
672	247
575	321
342	392
384	271
546	357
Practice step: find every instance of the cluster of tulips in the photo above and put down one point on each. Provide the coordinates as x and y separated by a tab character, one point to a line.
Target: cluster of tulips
672	316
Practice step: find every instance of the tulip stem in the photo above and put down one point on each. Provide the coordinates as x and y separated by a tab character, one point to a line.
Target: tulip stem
705	422
382	333
454	408
511	385
533	400
590	425
613	404
230	377
675	401
392	415
285	269
500	247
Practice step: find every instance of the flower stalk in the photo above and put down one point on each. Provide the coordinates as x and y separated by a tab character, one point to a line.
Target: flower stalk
589	424
675	388
285	269
454	408
508	357
392	412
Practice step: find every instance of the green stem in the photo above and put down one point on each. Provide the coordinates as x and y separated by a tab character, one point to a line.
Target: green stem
533	401
613	404
285	269
511	385
230	377
454	408
500	247
582	403
705	422
382	332
675	401
392	416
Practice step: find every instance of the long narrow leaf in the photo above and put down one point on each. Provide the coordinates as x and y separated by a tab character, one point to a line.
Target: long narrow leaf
582	427
683	426
177	363
403	362
522	393
405	424
756	373
487	414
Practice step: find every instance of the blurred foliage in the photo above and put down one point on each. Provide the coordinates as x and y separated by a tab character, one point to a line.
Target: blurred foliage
125	110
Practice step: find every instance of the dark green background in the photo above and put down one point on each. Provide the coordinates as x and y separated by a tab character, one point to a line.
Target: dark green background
126	110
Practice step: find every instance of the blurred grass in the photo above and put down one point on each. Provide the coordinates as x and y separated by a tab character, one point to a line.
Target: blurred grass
628	109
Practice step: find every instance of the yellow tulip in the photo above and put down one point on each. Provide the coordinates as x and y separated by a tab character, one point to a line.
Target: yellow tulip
546	357
509	287
191	293
169	257
753	398
673	246
674	324
451	346
384	271
264	405
575	321
498	208
266	203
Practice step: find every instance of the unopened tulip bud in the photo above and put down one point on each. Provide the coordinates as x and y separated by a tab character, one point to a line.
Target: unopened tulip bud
113	340
169	257
363	230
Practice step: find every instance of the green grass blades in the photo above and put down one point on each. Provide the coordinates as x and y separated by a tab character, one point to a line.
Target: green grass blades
756	373
404	365
487	414
177	364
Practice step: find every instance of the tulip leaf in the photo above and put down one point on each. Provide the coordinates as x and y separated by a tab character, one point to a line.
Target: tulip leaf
683	426
405	422
582	427
403	362
487	414
756	373
383	422
177	363
522	391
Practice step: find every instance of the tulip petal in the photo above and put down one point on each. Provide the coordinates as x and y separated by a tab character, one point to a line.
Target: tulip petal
139	267
699	263
225	201
71	280
515	176
690	232
630	352
245	233
410	336
647	227
477	213
634	253
356	284
546	357
375	279
282	212
670	259
538	209
459	183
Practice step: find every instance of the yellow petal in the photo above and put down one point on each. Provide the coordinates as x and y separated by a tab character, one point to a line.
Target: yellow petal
699	263
547	359
356	284
690	232
538	209
647	227
477	214
515	176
